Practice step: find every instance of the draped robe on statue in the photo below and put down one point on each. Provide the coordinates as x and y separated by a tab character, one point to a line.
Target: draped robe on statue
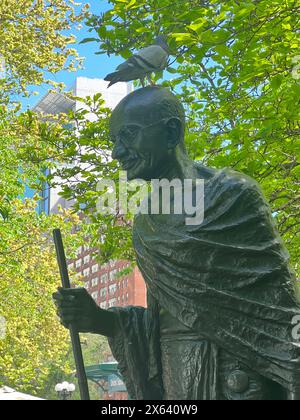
227	280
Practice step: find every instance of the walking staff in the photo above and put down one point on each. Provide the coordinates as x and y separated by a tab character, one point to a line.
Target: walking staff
81	375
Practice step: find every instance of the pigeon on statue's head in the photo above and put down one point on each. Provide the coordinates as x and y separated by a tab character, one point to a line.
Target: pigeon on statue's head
148	60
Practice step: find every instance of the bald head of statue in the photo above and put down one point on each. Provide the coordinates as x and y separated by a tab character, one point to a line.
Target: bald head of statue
147	130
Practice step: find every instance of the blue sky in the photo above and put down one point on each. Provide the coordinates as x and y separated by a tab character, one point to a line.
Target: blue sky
94	65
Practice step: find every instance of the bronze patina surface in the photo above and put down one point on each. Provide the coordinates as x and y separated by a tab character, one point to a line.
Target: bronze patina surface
221	295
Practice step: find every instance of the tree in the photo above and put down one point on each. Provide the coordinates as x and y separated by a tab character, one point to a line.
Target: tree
83	157
236	70
34	343
35	348
22	159
32	42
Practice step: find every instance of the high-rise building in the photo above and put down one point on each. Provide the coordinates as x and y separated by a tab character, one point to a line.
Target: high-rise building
44	201
57	103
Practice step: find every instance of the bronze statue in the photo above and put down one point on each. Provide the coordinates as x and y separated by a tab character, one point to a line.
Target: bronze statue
221	296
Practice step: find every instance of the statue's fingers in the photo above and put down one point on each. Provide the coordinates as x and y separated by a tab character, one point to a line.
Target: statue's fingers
67	294
65	304
70	311
56	296
76	293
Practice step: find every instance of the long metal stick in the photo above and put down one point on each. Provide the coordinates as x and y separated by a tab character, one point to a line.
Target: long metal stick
62	263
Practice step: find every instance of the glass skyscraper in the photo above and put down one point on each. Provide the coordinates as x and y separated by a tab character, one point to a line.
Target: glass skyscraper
44	202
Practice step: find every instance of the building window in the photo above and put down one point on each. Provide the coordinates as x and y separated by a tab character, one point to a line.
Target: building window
103	292
78	263
44	202
112	288
113	274
95	281
79	250
104	278
86	259
87	285
86	272
77	276
95	268
112	302
71	266
95	295
86	248
103	305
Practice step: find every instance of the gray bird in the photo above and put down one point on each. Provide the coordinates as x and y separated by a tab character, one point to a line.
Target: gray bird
148	60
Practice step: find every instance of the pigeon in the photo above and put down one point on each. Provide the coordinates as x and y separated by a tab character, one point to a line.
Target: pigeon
148	60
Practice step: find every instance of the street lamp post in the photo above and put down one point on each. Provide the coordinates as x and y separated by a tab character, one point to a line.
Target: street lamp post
64	390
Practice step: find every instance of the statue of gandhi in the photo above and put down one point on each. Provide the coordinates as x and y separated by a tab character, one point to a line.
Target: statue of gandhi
221	298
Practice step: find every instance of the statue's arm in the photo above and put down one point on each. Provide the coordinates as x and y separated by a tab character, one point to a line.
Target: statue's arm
77	307
105	323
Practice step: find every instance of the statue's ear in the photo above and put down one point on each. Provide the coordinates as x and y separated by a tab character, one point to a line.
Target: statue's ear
174	127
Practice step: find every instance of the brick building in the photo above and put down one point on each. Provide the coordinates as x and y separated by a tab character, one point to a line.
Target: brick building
109	284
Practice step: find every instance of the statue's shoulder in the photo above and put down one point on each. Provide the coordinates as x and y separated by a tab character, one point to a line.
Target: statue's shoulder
239	179
227	178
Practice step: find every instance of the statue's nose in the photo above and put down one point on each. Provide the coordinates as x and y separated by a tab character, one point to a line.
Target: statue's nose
118	151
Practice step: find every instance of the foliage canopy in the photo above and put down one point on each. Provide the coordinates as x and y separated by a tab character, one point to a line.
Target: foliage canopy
33	41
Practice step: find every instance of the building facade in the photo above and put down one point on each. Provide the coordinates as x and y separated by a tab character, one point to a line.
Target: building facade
113	284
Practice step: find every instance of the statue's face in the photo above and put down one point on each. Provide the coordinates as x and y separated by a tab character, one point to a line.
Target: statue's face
140	146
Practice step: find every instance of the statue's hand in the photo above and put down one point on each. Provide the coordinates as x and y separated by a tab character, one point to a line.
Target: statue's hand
77	307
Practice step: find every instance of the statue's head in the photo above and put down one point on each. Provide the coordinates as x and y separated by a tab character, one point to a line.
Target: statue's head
147	127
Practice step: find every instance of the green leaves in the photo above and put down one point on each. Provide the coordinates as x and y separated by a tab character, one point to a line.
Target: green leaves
276	82
86	40
236	65
29	275
184	38
33	40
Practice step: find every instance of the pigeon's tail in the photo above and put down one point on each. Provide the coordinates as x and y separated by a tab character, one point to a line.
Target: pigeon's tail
113	78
